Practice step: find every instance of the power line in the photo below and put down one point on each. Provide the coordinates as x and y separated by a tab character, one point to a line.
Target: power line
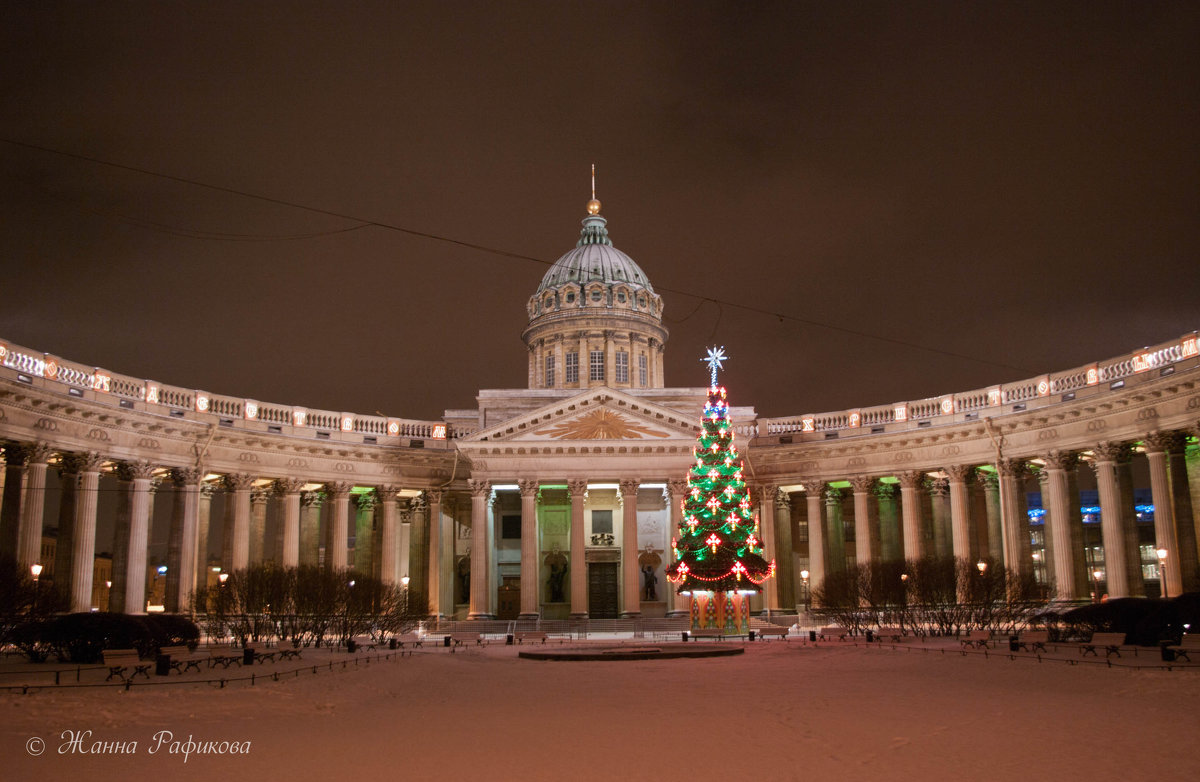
365	222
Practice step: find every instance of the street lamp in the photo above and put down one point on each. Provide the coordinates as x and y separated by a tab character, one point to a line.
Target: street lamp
1096	574
982	567
36	571
107	595
1162	570
804	578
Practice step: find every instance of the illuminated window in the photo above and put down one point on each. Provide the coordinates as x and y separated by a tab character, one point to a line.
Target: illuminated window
572	368
642	370
596	365
622	366
549	371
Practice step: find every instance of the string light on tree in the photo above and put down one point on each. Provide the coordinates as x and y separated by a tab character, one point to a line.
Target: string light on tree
718	556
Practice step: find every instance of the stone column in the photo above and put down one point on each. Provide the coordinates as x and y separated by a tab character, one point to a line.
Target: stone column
289	490
910	506
995	528
1058	528
766	529
33	506
364	526
310	527
203	529
68	474
529	548
783	550
238	487
632	597
434	572
258	546
866	539
960	518
889	531
577	492
404	525
1181	502
181	544
335	545
389	548
83	544
1115	566
15	456
1129	523
813	491
480	601
137	537
835	531
418	545
676	491
1164	517
939	498
1015	524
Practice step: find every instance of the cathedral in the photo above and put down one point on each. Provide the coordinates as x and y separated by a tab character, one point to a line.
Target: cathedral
561	500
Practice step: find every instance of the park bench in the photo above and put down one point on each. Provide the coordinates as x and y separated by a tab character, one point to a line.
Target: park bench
1110	642
364	642
531	635
120	661
409	638
772	632
893	633
708	632
224	656
288	652
262	653
1189	643
1033	640
182	658
976	638
833	631
459	639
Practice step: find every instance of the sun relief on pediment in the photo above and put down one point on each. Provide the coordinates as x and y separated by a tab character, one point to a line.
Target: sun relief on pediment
600	424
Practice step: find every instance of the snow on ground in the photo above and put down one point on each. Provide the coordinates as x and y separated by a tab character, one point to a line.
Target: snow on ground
780	711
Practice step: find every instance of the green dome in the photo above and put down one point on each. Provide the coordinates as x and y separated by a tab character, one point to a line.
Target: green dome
594	259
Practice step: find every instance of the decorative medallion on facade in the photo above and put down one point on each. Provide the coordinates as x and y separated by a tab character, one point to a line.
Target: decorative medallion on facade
602	424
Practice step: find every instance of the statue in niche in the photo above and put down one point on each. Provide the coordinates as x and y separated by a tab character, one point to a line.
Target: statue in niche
556	583
463	572
649	562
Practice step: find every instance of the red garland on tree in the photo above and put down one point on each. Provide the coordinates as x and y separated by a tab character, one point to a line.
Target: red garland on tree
717	555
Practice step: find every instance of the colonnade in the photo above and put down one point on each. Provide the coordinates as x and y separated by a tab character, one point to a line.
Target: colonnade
390	535
980	511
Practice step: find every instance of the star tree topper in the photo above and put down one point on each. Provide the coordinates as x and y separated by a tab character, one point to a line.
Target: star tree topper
716	356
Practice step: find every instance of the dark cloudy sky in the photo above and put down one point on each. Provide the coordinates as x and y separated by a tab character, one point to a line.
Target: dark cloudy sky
1013	185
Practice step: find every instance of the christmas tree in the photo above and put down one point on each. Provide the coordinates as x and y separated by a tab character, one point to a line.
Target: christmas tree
717	555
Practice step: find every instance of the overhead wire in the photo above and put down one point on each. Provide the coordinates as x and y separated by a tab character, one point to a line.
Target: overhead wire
368	222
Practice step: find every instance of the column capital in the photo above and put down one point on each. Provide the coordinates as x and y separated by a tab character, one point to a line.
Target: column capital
577	487
418	504
39	452
288	485
677	487
15	454
207	489
1061	460
91	461
783	500
1162	442
812	487
338	489
310	499
185	476
959	473
238	481
434	496
365	502
1012	468
885	491
629	487
136	470
259	494
479	488
938	487
69	464
527	486
1110	452
833	495
912	479
861	484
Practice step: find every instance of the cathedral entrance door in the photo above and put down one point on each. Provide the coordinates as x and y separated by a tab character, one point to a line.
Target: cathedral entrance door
508	598
602	590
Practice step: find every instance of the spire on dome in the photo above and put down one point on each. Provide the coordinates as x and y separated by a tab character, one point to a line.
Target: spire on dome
594	226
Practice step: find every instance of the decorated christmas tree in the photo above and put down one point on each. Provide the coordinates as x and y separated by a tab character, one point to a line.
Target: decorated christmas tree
718	559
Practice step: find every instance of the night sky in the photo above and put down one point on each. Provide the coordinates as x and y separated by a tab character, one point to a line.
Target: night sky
995	190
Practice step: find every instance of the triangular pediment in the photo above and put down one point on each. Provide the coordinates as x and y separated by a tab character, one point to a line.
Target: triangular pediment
595	415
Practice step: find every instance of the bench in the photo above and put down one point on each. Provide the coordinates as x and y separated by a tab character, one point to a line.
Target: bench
1110	642
364	642
183	658
894	633
976	638
119	661
531	635
708	632
288	652
1033	640
409	638
772	632
261	651
458	639
224	656
834	631
1189	643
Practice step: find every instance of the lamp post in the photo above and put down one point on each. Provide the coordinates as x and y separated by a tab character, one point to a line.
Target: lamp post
107	595
1162	571
804	579
36	571
1096	574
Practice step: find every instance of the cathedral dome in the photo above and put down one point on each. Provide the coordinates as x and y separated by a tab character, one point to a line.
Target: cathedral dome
594	259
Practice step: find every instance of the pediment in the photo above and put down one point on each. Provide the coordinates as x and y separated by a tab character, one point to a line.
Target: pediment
596	415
